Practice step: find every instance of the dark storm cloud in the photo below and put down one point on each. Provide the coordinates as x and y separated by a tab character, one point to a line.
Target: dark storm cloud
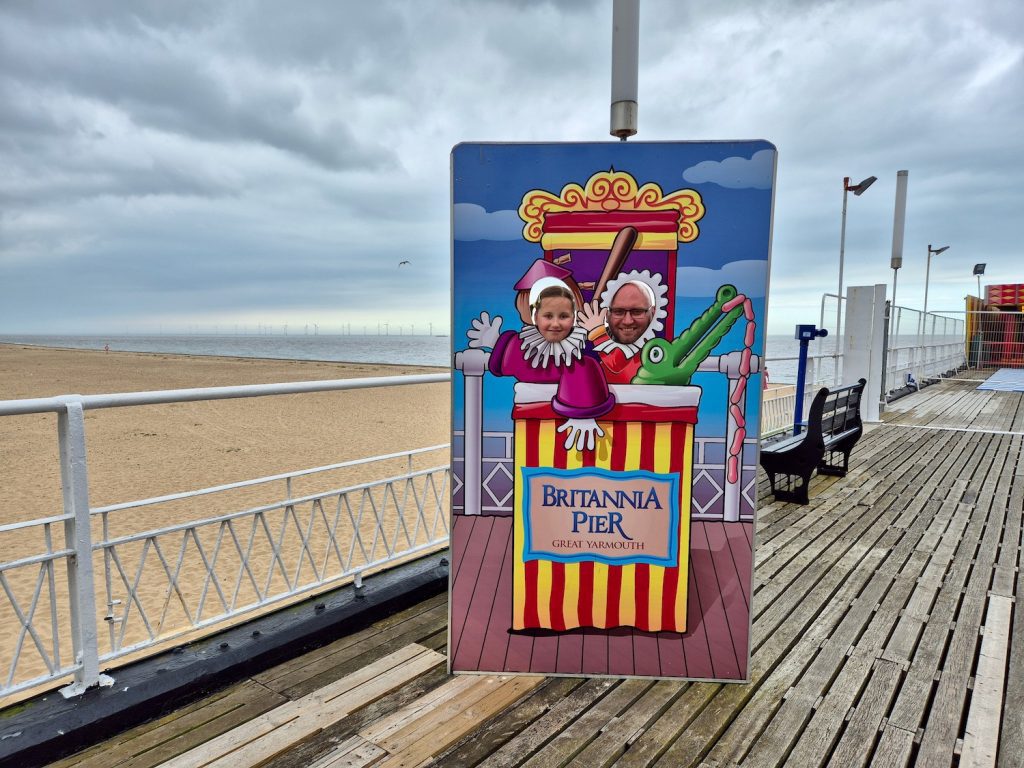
180	89
232	159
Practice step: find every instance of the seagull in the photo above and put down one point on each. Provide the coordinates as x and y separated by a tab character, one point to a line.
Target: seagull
402	263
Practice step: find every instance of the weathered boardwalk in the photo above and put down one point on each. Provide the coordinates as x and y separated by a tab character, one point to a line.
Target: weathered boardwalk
885	633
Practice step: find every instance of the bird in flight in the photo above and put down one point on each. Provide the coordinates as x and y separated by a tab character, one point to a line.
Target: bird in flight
402	263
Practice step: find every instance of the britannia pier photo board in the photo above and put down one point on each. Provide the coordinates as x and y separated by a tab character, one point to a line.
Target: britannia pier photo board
608	305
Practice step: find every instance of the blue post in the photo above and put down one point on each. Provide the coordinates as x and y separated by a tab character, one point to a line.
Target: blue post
804	334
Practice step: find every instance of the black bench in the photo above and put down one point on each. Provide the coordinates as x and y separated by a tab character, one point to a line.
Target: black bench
833	427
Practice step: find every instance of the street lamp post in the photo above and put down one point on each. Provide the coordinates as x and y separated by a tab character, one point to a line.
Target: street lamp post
858	190
979	270
924	313
927	273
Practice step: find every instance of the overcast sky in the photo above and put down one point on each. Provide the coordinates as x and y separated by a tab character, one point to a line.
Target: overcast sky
174	165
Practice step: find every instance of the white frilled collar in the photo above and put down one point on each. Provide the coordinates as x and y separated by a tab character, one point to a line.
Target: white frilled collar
540	352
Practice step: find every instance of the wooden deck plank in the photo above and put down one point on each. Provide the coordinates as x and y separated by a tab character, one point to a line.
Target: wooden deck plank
981	737
731	579
942	728
276	730
695	644
894	749
769	697
823	574
909	710
570	653
811	595
866	720
353	753
478	746
838	681
496	641
573	739
483	593
559	716
178	731
442	727
326	740
671	655
382	728
615	738
1011	742
713	611
392	638
312	663
464	586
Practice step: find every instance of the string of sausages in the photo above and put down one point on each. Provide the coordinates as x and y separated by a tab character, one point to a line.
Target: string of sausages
736	397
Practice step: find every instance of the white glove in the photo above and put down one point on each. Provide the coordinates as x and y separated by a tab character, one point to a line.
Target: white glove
484	332
590	317
582	432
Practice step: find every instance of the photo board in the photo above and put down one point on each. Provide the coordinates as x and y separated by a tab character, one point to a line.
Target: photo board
608	305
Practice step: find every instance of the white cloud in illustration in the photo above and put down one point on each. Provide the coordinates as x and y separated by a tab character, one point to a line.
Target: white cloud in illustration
748	275
735	172
473	222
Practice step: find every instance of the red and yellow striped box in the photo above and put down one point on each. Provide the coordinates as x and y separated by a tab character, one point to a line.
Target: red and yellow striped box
649	433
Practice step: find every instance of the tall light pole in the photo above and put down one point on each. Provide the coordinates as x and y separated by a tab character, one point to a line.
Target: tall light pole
858	190
899	218
927	273
924	313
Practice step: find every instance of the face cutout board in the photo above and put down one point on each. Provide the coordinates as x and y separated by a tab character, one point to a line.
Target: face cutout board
608	305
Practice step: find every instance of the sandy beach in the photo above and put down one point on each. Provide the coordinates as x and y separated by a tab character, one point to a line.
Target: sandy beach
141	452
148	451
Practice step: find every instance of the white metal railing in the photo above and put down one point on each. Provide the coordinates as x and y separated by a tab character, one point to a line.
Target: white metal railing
777	413
922	347
161	583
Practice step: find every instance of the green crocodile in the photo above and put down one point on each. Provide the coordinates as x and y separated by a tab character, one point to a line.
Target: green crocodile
674	362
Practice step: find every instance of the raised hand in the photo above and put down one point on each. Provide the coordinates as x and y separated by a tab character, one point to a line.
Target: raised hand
591	316
485	331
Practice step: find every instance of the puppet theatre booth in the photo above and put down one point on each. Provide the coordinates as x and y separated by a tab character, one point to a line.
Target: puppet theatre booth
601	537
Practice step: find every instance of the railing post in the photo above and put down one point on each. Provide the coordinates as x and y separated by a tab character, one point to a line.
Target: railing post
473	364
729	364
78	537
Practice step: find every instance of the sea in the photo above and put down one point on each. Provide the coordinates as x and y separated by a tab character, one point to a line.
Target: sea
781	350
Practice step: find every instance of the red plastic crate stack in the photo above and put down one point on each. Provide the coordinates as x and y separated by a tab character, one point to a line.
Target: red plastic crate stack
1008	293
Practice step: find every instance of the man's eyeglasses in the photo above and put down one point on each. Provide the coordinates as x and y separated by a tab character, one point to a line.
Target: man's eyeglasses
620	312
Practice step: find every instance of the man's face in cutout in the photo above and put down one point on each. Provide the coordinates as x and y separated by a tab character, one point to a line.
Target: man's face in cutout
629	314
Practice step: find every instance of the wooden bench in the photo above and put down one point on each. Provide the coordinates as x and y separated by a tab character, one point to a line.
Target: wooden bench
833	427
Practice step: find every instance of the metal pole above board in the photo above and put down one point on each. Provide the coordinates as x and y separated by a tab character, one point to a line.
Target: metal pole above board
625	65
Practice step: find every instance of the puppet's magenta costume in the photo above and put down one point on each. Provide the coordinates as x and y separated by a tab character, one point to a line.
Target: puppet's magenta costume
582	389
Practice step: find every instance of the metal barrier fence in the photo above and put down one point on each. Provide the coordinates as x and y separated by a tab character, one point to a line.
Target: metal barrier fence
995	339
922	347
918	348
86	568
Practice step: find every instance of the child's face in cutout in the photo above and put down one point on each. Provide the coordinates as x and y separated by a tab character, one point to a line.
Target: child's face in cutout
554	318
